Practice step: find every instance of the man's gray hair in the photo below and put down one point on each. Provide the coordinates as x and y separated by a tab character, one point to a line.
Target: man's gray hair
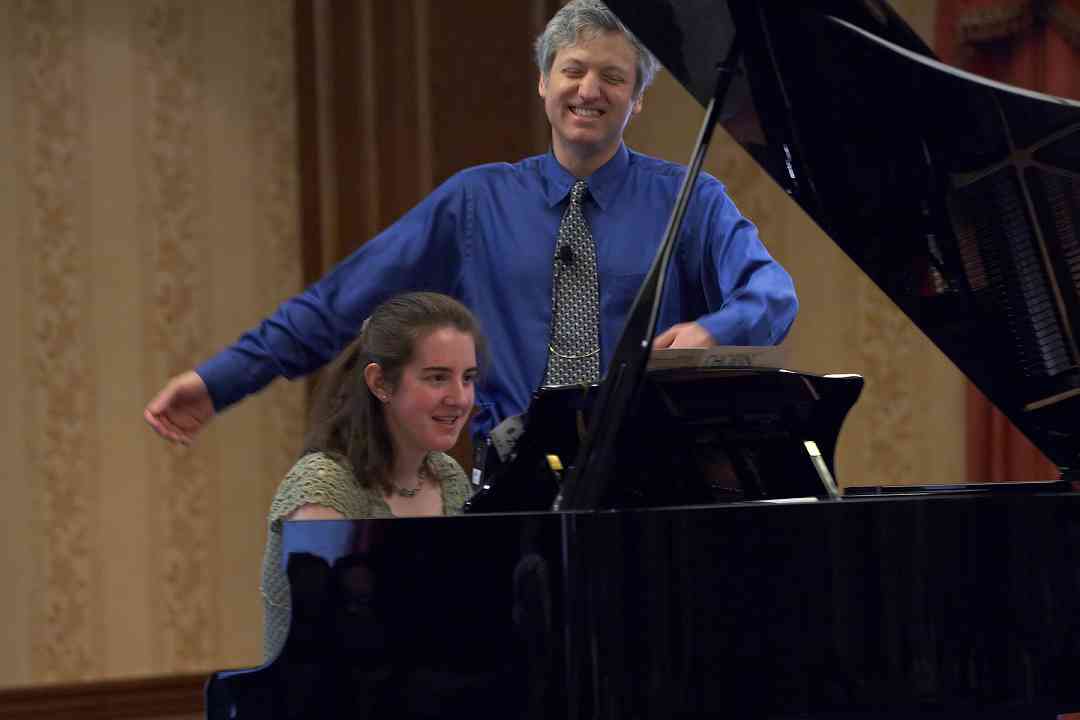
584	20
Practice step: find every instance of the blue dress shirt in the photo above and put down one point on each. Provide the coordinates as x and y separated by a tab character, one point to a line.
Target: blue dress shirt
487	237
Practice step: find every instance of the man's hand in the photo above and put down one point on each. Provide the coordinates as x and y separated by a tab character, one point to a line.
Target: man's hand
688	334
181	409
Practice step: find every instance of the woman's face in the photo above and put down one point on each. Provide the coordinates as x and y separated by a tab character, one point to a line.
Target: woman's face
431	403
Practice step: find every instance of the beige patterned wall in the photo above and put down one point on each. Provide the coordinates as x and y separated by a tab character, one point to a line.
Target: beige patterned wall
149	213
908	427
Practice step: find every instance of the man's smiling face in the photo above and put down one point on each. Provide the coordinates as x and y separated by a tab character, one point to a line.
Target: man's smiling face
589	96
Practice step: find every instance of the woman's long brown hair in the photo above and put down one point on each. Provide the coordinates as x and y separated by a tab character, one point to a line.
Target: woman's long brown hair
347	420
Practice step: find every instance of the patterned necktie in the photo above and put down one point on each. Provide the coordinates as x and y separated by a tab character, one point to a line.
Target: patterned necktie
574	349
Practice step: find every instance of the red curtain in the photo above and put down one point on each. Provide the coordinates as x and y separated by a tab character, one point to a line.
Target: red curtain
1033	44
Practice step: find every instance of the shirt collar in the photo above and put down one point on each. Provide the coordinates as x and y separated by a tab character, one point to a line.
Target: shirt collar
603	184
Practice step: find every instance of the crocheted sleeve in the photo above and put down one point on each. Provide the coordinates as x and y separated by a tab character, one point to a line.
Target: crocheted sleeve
317	479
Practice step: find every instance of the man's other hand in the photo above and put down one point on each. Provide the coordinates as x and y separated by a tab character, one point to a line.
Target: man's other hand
684	335
181	409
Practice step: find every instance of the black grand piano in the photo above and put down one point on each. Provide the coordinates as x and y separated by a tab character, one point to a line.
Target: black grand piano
670	544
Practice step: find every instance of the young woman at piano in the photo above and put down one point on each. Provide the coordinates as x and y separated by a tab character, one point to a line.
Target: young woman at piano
385	413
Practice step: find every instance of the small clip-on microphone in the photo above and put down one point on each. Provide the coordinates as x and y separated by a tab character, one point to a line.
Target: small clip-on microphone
566	254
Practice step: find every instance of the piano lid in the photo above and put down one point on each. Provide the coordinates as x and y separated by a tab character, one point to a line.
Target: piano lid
958	196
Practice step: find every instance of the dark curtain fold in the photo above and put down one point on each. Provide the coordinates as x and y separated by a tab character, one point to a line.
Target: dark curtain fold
394	97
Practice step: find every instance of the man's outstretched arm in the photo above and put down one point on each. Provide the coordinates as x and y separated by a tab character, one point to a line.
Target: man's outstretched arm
420	251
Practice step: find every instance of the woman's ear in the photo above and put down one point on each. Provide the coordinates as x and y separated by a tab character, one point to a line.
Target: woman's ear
376	382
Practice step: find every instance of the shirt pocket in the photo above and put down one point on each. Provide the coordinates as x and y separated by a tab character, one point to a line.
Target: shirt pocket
623	288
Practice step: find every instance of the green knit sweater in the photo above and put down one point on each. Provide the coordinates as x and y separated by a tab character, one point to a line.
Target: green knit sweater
320	479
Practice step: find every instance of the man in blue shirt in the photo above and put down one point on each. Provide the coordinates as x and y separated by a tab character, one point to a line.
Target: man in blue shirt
488	234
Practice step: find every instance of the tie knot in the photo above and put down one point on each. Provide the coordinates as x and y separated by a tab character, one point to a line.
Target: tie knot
577	193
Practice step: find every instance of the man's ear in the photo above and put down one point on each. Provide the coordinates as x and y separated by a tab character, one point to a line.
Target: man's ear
376	381
541	86
636	108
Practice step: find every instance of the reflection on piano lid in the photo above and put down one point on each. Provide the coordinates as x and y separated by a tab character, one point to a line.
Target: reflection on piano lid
927	607
958	196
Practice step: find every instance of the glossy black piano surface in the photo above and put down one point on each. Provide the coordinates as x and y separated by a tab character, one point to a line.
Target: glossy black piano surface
957	607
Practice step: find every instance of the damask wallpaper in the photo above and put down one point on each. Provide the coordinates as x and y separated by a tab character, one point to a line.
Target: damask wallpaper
150	214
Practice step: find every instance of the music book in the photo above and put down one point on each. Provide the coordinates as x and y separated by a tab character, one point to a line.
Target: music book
733	356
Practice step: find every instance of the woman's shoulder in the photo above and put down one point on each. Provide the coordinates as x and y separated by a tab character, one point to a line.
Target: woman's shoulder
456	487
319	468
445	467
319	478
